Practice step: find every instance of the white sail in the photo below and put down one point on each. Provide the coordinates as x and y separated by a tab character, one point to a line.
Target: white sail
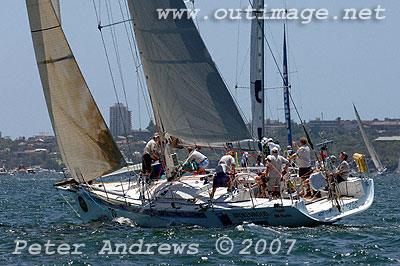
371	149
257	71
56	6
189	97
85	143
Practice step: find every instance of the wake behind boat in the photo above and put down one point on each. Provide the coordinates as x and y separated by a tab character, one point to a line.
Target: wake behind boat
192	107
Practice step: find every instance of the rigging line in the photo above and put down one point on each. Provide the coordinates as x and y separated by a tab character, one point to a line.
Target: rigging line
273	40
110	69
269	107
237	52
117	55
95	9
139	107
196	17
138	64
304	127
116	48
76	212
244	62
115	23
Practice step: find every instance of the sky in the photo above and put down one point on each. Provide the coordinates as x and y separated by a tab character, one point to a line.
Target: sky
333	63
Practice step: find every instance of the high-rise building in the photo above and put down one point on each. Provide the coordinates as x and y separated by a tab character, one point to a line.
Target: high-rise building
120	120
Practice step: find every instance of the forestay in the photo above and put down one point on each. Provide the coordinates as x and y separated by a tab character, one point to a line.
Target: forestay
189	97
85	143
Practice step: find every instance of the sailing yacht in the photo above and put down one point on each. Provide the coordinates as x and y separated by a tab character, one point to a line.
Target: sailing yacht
192	107
377	162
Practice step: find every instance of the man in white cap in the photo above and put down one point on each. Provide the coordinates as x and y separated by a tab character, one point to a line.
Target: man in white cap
272	145
150	153
274	170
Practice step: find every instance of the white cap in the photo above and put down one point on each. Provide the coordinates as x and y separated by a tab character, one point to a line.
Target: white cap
275	149
270	139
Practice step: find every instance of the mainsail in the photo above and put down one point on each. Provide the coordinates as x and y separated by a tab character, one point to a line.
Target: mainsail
371	149
257	70
189	97
85	143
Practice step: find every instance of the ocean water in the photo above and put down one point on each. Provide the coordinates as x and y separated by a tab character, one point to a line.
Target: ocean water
33	213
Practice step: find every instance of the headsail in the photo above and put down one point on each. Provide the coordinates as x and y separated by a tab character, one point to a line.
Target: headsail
85	143
189	97
257	71
56	6
371	149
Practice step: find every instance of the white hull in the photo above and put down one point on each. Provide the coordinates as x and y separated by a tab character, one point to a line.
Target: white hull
224	211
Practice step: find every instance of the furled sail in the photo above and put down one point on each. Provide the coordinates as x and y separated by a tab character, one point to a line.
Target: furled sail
85	143
189	97
257	71
370	148
286	94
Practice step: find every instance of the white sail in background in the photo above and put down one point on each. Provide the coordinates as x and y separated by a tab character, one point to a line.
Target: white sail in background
189	97
371	149
56	6
257	71
85	143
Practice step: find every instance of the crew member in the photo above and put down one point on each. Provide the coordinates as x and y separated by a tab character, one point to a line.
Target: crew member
343	170
226	167
245	159
274	170
150	154
303	161
200	159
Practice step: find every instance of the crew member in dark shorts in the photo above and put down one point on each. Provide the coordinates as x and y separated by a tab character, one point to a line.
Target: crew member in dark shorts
304	162
150	154
225	167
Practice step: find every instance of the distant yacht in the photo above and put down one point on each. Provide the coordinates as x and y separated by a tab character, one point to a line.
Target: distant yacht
378	164
3	171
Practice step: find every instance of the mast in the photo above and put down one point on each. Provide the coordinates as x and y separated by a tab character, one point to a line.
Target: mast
371	150
257	70
286	89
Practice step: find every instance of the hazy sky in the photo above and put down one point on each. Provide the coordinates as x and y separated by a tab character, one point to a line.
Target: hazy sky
334	63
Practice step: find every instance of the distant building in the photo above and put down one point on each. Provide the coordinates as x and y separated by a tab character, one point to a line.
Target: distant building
120	120
319	124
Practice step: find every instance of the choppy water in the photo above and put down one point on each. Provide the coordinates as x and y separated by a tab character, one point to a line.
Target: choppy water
32	210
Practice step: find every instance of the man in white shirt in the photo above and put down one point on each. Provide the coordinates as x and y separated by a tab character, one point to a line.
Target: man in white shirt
226	167
150	153
272	145
274	170
200	159
343	170
245	159
303	161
